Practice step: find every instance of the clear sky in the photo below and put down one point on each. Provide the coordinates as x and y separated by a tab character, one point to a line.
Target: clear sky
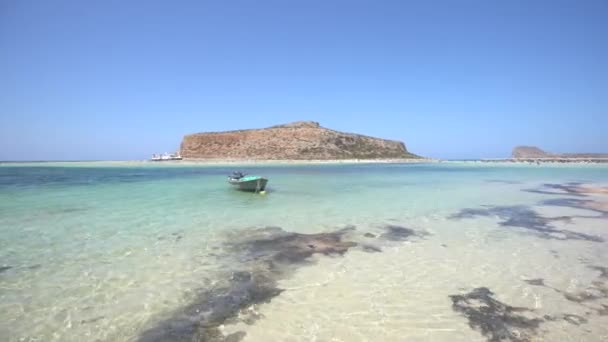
452	79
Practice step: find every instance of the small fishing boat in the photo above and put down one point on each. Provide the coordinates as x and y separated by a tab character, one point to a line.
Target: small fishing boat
247	183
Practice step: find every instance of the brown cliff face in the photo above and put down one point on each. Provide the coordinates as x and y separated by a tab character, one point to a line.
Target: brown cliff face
305	140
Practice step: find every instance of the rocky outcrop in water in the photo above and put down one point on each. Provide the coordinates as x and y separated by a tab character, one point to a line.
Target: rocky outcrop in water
304	140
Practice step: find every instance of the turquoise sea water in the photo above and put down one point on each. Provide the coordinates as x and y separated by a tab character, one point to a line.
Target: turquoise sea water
124	252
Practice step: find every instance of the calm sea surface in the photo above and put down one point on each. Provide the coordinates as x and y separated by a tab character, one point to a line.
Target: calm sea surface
441	252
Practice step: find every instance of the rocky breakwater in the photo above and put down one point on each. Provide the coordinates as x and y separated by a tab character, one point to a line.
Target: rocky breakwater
304	140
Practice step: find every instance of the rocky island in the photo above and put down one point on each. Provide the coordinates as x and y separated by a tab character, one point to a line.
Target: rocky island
302	140
533	154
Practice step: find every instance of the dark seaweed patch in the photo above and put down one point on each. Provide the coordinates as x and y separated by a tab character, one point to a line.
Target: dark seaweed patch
399	233
594	292
370	248
602	269
200	320
92	320
570	318
597	290
541	282
603	311
536	282
274	245
235	337
266	255
574	319
575	203
554	253
495	320
570	188
521	216
583	296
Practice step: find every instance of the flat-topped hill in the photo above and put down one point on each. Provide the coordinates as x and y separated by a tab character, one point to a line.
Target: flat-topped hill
302	140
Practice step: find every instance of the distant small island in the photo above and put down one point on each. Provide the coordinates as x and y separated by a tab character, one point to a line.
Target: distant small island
302	140
533	154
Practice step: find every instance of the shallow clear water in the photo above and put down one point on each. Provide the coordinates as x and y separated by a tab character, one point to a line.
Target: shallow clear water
108	252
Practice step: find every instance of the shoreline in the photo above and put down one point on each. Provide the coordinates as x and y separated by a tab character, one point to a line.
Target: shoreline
212	162
218	162
546	160
307	161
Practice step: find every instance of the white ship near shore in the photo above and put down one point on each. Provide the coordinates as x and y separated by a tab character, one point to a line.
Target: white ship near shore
166	156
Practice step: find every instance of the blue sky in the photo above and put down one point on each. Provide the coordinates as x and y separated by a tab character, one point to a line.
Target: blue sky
452	79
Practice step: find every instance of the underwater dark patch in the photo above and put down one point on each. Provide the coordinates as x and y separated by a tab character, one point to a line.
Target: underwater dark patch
274	245
370	248
521	216
536	282
265	256
570	318
369	235
200	321
603	311
593	293
590	294
399	233
574	319
495	320
5	268
575	203
541	282
602	269
570	189
596	291
92	320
